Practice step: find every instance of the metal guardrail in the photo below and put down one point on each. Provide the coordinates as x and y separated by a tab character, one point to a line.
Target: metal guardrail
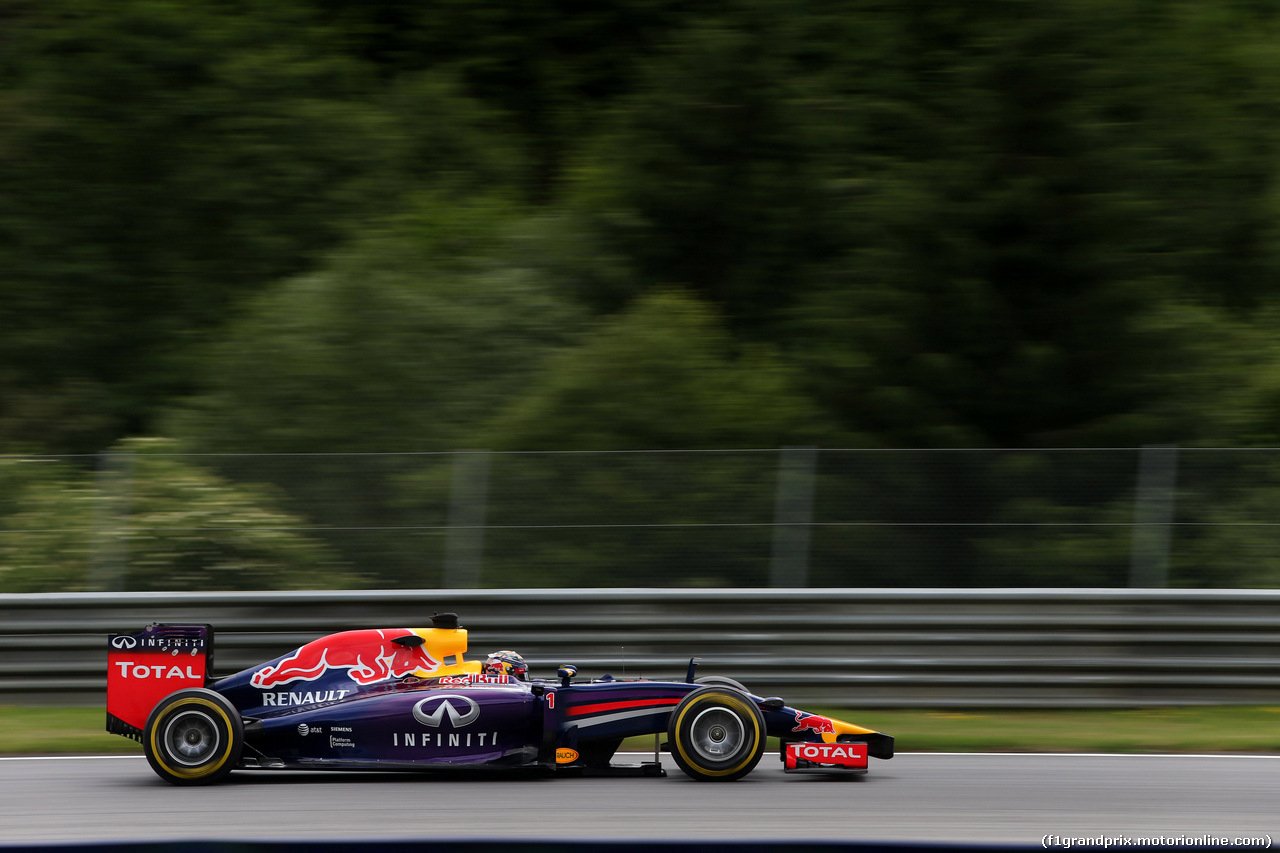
857	648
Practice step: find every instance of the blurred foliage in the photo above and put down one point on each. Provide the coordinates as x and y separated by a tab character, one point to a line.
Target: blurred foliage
707	177
662	375
406	339
159	524
323	226
159	160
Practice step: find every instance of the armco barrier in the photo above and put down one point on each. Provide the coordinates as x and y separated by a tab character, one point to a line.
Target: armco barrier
847	647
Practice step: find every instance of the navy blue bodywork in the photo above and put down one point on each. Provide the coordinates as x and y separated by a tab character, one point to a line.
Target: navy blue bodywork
441	723
324	716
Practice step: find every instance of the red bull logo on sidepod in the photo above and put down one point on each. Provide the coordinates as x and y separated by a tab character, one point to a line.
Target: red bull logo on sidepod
368	656
814	722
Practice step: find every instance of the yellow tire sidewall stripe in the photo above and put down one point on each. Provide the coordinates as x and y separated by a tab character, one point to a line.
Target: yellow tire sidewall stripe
726	700
203	770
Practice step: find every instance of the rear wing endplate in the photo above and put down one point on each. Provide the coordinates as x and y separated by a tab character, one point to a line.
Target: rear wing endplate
145	667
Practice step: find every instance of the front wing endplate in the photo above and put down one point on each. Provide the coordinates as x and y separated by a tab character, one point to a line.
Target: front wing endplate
824	758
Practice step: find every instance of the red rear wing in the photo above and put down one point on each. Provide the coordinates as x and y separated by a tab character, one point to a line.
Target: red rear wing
144	668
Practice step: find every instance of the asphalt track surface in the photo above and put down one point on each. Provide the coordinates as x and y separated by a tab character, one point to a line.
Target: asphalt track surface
1014	799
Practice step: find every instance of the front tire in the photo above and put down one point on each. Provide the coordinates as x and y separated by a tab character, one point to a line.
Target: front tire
193	737
716	734
721	681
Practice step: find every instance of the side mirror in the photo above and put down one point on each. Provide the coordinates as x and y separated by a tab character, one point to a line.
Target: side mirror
566	673
693	667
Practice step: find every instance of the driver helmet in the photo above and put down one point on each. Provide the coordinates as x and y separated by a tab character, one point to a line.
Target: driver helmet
507	663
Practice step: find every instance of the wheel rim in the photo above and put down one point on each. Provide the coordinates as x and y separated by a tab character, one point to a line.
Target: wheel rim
191	738
717	734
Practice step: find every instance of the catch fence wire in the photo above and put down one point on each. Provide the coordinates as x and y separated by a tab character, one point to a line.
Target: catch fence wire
789	517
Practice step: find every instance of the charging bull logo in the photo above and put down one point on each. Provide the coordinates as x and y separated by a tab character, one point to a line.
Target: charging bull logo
814	722
368	657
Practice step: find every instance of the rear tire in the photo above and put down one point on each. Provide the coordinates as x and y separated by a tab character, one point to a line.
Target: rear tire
716	734
193	737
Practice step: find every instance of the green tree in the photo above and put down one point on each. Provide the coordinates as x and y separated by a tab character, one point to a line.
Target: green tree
169	158
664	375
1043	189
551	65
165	524
706	179
405	340
404	343
162	162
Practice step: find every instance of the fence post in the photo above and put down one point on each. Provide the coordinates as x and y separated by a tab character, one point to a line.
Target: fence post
464	545
1153	516
792	517
109	552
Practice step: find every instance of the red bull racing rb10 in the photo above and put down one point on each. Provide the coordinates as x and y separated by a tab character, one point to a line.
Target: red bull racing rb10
405	699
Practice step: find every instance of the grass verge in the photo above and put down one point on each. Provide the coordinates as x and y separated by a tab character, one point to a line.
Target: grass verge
1244	728
51	731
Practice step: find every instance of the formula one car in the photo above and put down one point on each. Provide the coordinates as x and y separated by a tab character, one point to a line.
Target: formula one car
391	699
